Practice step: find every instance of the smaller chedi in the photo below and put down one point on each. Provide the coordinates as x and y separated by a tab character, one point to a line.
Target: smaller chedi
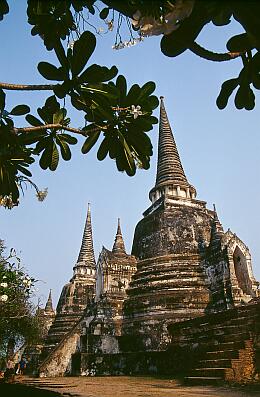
47	314
77	294
104	319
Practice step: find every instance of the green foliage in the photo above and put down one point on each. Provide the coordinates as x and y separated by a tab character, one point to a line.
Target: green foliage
188	25
51	72
181	39
123	128
15	157
107	107
249	76
48	141
117	118
18	319
52	20
20	110
4	9
104	13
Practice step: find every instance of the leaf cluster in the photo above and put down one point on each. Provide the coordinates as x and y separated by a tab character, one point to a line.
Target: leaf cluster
48	141
17	314
15	156
52	20
249	76
108	107
125	139
220	13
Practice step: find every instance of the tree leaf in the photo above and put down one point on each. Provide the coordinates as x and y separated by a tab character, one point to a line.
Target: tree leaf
140	141
90	141
133	94
82	51
24	170
78	5
33	120
152	102
2	100
4	9
223	17
59	116
43	144
20	110
143	123
147	89
51	72
179	40
64	148
68	138
239	43
52	104
121	84
103	149
226	90
256	80
50	107
249	99
46	156
104	13
54	157
130	167
61	90
240	98
96	73
31	137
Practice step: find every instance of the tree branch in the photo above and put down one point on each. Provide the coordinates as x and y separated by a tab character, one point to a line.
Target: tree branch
28	87
213	56
53	126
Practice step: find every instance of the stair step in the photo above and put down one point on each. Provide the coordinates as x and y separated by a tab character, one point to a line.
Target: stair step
203	380
219	328
213	347
209	372
218	337
216	363
221	354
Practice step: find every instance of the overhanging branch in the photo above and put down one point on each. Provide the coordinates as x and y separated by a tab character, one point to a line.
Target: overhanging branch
27	87
213	56
50	126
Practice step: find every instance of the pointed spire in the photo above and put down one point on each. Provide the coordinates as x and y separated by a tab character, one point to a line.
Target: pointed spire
49	306
217	231
169	167
119	246
170	172
86	253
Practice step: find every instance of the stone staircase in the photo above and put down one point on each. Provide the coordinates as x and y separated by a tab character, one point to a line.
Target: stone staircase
221	345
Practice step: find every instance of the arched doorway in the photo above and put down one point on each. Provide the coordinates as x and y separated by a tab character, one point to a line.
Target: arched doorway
241	271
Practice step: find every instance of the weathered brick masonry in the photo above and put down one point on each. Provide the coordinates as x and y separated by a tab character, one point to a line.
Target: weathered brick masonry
179	304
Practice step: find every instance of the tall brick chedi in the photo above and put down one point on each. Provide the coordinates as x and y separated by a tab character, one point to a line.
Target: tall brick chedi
185	267
78	293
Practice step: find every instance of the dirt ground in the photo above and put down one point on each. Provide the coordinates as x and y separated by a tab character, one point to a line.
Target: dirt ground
115	387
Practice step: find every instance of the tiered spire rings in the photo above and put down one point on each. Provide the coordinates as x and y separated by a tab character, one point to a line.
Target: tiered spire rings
170	178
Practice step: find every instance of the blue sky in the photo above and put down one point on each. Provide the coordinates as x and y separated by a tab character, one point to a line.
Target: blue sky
219	152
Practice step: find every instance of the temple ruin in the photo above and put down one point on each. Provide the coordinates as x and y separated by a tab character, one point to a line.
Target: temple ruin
131	313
